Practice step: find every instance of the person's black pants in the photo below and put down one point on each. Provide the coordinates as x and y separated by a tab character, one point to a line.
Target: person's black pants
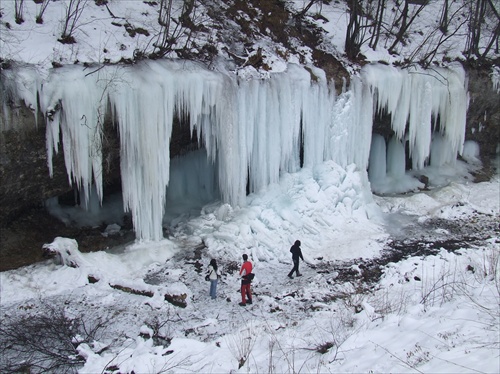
295	268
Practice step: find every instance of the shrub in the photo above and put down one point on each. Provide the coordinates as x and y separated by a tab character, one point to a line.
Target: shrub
43	338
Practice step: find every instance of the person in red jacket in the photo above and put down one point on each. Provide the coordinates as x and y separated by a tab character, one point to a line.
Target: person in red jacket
246	269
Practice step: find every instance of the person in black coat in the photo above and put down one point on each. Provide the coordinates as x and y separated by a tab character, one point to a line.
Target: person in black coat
296	256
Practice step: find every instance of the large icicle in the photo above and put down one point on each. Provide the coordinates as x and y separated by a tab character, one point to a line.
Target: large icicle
145	123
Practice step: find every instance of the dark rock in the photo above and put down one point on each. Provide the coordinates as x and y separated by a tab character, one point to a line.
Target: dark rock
177	300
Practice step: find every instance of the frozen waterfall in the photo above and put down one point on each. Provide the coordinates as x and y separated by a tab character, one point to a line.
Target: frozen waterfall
252	130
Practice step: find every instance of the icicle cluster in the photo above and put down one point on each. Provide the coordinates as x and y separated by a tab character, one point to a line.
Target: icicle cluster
416	99
19	84
252	130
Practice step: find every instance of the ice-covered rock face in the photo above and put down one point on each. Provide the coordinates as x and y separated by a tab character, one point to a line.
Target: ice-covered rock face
252	130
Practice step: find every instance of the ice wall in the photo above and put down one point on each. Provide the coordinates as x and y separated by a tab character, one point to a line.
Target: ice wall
252	130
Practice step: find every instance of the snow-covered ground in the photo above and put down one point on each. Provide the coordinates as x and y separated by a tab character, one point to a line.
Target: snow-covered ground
426	313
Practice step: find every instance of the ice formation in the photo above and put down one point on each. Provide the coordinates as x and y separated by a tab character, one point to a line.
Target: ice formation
252	130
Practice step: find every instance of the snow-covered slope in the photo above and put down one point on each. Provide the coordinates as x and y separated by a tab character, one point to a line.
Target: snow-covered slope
114	31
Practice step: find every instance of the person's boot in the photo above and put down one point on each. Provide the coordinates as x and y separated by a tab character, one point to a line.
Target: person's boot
290	276
299	274
242	304
249	301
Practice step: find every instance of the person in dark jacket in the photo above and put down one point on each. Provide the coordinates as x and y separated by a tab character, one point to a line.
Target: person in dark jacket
296	256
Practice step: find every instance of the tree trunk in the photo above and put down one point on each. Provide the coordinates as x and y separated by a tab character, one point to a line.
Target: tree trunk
443	23
405	24
475	23
352	44
185	17
378	23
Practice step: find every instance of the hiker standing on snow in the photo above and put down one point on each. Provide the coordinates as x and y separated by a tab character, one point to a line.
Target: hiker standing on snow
296	256
246	269
214	274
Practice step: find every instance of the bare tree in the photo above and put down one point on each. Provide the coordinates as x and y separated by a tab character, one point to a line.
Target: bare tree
353	35
405	20
478	27
187	10
74	10
477	10
19	9
303	12
175	29
44	340
365	24
435	39
435	46
165	20
43	6
378	22
444	21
